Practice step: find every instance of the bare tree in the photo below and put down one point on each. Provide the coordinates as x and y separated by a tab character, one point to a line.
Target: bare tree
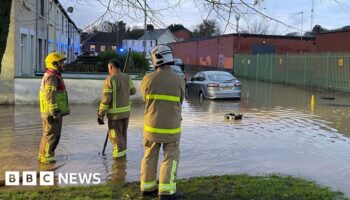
258	27
222	10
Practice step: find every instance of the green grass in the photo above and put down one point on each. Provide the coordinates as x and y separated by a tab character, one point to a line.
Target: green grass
203	188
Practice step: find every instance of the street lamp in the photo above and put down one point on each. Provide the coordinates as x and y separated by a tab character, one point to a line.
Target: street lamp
237	30
237	25
302	23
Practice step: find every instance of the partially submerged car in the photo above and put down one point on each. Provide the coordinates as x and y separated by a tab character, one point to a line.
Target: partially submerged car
214	85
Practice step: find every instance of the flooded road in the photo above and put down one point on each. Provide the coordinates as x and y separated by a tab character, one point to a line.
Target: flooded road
278	134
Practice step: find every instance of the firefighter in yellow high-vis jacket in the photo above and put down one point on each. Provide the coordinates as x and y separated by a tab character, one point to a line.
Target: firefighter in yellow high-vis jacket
115	103
163	93
53	106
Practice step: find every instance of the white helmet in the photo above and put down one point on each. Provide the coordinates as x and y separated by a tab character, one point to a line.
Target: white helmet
161	55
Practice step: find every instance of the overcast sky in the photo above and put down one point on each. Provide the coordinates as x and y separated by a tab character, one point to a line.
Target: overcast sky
327	13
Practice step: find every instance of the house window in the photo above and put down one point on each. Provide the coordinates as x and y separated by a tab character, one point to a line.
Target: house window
114	48
67	28
23	53
42	7
103	48
151	43
92	47
32	50
62	25
40	55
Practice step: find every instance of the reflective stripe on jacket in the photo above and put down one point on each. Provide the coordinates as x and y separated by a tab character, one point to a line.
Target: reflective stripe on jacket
53	96
163	91
116	93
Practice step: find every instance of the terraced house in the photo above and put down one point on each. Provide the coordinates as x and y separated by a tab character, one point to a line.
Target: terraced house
37	27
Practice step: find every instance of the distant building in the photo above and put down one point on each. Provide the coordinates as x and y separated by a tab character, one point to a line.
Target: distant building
102	41
218	51
182	34
151	39
333	41
41	27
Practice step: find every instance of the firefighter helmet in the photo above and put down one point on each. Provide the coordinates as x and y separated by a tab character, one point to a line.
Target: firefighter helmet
52	60
161	55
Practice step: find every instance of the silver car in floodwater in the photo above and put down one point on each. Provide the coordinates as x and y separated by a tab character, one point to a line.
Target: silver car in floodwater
214	85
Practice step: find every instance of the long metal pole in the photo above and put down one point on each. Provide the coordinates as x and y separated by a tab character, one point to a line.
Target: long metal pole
302	23
145	28
105	144
312	13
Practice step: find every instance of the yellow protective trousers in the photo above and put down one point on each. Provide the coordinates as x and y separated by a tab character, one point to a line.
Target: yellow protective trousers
168	167
49	141
118	136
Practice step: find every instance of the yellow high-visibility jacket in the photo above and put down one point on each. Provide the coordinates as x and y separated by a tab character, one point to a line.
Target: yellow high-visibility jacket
116	92
53	95
163	92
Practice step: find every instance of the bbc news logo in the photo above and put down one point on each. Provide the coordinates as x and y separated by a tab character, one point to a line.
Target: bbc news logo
47	178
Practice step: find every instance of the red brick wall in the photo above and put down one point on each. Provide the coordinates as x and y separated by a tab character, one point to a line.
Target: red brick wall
206	52
333	42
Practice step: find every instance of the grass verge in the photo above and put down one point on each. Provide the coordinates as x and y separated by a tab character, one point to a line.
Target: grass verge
203	188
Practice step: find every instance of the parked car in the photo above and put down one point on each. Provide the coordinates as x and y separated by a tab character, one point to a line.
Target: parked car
178	71
178	62
214	85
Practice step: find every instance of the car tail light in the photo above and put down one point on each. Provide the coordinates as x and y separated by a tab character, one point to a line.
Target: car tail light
238	84
213	85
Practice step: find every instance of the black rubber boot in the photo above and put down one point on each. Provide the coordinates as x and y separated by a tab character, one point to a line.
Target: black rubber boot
177	195
149	193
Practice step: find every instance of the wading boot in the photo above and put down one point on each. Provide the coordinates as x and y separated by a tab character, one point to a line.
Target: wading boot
177	195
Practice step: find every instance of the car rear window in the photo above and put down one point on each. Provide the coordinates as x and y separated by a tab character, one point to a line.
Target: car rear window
221	77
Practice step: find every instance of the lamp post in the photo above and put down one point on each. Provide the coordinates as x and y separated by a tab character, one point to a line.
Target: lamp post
302	23
145	29
237	31
301	29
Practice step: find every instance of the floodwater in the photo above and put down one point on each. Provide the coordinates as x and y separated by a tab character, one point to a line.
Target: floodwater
278	134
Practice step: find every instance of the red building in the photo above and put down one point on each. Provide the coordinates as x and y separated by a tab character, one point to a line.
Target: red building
218	51
335	41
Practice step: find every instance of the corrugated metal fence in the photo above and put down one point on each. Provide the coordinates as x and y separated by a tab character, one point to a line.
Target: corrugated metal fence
320	70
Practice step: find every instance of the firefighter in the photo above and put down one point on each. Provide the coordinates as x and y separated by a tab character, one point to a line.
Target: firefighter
115	103
53	106
163	93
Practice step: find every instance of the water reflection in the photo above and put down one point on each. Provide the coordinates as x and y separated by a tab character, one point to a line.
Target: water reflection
118	173
278	134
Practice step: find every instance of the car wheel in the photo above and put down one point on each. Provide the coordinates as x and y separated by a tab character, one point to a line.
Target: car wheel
201	97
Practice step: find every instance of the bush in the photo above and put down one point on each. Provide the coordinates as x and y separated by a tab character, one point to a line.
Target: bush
138	61
103	59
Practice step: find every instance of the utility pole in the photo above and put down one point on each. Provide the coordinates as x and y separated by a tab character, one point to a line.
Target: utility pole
312	13
302	23
144	40
237	31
